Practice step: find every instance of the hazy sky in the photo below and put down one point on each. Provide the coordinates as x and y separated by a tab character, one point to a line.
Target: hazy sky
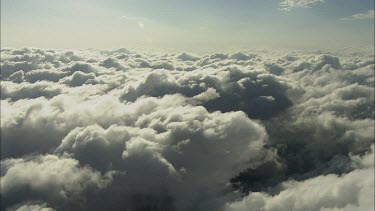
191	25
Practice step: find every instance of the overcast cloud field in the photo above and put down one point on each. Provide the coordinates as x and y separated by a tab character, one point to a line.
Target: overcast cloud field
187	105
127	130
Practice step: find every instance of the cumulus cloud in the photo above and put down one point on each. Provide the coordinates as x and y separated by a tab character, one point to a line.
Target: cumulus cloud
171	148
351	191
126	130
187	57
15	91
257	93
79	78
48	178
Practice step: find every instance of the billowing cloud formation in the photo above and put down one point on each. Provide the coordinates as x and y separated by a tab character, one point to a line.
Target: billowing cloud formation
124	130
351	191
48	178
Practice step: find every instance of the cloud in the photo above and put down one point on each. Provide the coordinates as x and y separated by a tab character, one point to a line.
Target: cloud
289	4
370	14
238	90
172	154
126	130
15	91
17	77
352	191
31	206
111	63
79	78
48	177
242	56
187	57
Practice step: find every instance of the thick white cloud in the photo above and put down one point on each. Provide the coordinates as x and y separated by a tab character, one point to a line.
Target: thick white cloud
48	178
79	78
26	90
351	191
180	150
118	130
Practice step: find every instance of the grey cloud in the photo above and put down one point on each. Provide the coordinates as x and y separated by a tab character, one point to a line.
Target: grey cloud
317	63
219	56
237	89
45	75
244	131
8	68
274	69
352	191
48	178
111	63
17	77
242	56
79	78
187	57
170	148
79	66
31	206
26	90
38	125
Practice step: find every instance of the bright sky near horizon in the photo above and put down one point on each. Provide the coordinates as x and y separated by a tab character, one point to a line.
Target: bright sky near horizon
192	25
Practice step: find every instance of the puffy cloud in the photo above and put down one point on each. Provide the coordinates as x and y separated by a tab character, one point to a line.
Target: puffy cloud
79	78
219	56
169	150
241	56
257	93
121	130
187	57
351	191
48	178
27	90
8	68
45	75
111	63
38	125
317	63
274	68
93	145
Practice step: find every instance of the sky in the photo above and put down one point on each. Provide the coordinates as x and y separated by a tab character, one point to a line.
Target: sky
192	25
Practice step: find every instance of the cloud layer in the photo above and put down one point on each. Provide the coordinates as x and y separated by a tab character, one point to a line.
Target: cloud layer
125	130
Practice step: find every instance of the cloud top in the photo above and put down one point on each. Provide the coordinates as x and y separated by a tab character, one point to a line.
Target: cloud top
127	130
